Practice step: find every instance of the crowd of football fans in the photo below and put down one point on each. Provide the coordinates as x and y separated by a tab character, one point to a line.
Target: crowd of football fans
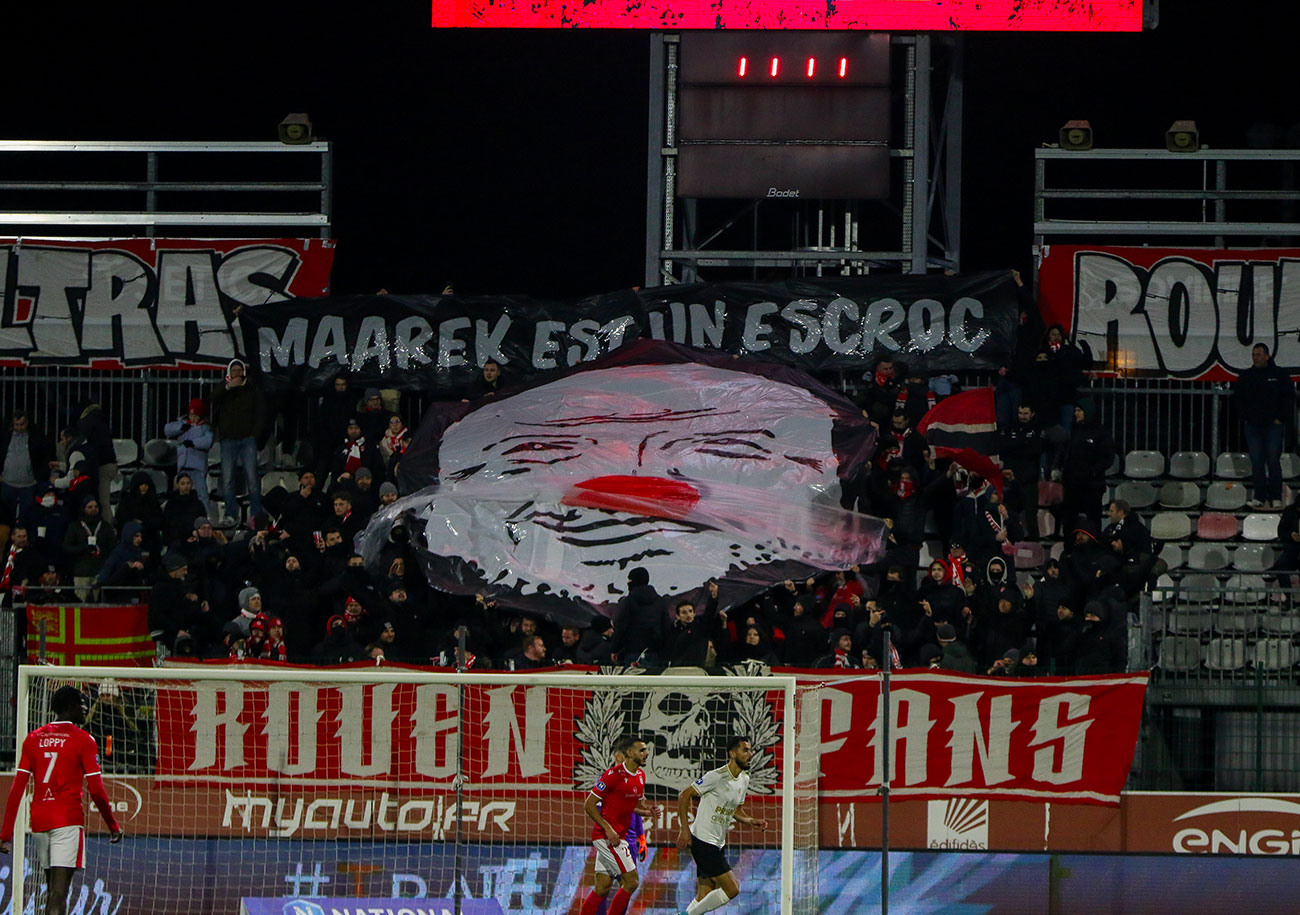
275	575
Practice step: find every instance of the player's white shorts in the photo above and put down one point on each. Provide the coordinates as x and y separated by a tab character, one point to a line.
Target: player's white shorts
61	847
615	860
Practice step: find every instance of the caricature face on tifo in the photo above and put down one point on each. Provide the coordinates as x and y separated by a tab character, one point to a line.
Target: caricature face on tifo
687	470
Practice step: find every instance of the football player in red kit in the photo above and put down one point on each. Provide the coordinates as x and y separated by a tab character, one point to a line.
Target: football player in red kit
617	795
57	757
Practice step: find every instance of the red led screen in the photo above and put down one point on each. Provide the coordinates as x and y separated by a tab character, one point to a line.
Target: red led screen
883	15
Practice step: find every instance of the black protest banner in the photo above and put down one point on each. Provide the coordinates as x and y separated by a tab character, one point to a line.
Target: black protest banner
436	343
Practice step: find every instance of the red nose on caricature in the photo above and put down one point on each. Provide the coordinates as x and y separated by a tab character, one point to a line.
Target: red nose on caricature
653	497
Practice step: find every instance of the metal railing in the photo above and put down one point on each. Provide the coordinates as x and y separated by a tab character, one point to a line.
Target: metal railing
66	186
1223	706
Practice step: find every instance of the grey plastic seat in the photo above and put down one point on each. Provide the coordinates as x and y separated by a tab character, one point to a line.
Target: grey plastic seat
1208	557
1173	555
1114	468
1189	465
1232	465
127	452
1171	526
1226	654
1246	589
1226	496
1275	654
1199	588
1260	526
159	452
1137	493
1290	465
1236	619
1179	494
1180	653
1253	557
1280	622
1190	620
1144	465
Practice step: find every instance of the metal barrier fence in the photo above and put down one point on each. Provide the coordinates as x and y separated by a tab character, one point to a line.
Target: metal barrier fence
1223	707
137	404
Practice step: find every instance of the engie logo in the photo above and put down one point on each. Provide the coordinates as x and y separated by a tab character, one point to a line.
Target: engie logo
1240	829
958	823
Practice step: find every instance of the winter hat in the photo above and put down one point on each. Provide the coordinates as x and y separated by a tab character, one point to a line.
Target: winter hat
364	473
638	576
202	521
175	560
259	623
945	632
386	487
1012	655
247	595
197	407
372	392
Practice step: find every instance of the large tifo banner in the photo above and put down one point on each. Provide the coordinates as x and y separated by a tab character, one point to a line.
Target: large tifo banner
107	636
1066	739
145	302
436	343
1175	312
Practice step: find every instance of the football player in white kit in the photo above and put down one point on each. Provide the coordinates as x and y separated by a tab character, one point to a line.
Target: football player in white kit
722	796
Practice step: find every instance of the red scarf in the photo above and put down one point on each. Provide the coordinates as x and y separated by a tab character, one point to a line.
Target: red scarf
955	571
906	488
353	461
842	658
393	441
9	567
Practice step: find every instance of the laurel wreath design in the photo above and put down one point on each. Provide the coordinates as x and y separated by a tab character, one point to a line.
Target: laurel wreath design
601	724
754	718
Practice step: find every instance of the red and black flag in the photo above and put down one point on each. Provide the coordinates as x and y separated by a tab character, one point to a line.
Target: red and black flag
964	427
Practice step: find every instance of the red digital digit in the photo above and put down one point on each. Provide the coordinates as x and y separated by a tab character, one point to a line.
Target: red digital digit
744	66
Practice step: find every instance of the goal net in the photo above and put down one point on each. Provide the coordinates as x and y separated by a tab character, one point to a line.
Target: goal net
252	782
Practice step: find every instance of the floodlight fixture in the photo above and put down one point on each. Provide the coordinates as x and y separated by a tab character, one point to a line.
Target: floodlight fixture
295	130
1182	137
1076	135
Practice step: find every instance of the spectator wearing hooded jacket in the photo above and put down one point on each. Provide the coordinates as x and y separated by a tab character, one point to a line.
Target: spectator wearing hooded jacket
181	509
1088	455
1265	400
129	564
194	439
47	522
239	418
639	623
336	405
139	502
338	646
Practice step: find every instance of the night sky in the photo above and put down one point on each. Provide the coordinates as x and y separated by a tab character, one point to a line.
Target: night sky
515	161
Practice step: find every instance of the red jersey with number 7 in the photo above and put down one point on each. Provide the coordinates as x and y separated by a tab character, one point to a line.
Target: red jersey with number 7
618	791
57	758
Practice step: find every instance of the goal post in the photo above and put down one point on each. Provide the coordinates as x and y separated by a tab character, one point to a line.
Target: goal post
253	781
